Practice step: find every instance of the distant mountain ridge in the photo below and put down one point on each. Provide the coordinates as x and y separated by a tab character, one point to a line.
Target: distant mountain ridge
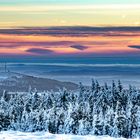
16	82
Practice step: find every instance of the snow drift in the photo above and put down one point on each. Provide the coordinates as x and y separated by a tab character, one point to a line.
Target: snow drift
13	135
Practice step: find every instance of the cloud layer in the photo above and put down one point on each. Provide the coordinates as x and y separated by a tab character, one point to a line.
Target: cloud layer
134	46
34	43
79	47
64	41
39	51
75	31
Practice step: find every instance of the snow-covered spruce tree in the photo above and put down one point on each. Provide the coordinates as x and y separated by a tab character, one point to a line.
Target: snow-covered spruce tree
96	110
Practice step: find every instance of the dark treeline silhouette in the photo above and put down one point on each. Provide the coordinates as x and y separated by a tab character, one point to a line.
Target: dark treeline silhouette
96	110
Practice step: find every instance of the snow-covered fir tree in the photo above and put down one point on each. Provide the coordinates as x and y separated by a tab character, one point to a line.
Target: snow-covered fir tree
96	110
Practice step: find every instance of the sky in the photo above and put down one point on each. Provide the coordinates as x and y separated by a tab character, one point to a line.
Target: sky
28	28
70	42
15	13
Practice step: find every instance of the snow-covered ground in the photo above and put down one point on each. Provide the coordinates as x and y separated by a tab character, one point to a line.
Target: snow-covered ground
14	135
9	75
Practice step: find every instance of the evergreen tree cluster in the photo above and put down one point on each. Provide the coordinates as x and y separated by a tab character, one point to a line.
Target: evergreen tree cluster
96	110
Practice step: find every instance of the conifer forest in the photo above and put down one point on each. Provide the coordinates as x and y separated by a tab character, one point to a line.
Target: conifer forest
90	110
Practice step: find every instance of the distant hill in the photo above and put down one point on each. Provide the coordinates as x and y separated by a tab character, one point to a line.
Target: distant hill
16	82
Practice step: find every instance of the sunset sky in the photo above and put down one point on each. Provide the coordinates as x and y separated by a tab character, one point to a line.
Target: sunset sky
15	13
17	39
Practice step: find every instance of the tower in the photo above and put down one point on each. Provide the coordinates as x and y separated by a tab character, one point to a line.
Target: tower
5	67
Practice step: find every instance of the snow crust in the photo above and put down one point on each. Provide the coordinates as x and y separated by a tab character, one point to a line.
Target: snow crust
15	135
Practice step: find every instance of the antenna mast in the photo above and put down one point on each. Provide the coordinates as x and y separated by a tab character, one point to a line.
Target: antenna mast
5	67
